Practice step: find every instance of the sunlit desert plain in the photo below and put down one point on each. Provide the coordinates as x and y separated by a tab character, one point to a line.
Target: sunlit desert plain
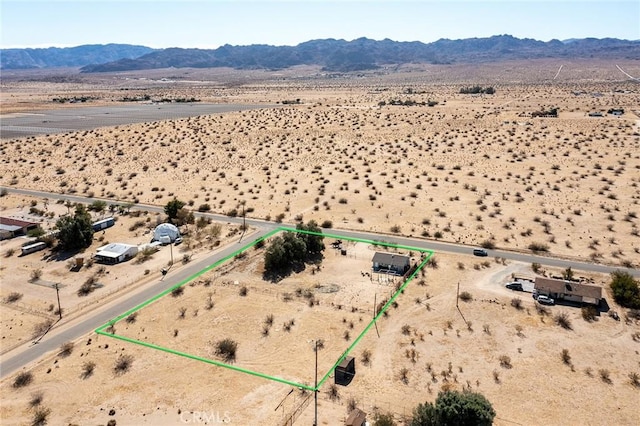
398	152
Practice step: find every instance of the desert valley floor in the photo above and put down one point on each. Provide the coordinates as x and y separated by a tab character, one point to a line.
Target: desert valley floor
398	152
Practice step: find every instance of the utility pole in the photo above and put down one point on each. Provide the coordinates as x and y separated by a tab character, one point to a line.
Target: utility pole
58	297
171	248
315	390
244	218
458	294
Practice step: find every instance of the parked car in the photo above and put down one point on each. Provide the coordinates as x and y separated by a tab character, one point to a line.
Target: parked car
514	286
545	300
480	252
178	241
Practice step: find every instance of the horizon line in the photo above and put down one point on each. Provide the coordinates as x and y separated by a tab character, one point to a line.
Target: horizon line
213	47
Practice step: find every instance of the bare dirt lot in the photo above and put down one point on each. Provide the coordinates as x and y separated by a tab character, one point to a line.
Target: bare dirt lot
474	169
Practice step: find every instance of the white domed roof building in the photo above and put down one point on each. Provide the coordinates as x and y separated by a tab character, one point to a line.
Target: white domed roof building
166	231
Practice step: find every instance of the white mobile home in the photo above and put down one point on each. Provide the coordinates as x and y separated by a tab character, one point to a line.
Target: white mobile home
116	253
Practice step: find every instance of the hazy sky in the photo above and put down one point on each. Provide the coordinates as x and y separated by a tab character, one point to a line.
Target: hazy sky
212	23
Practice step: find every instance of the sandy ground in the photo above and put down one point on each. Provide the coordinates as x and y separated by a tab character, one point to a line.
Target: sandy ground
38	302
470	169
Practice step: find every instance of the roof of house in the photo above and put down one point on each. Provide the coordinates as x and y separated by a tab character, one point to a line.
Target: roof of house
356	418
114	249
345	362
10	225
568	288
9	221
390	259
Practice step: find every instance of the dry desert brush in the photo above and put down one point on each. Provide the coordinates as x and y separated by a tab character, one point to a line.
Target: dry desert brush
122	365
226	349
23	379
562	319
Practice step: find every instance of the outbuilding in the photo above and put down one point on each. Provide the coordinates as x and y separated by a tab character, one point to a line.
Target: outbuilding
115	253
345	371
568	291
356	417
390	263
10	227
166	233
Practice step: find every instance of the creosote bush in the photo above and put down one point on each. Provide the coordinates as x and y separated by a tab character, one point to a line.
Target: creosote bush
23	379
123	363
465	296
562	319
226	349
66	349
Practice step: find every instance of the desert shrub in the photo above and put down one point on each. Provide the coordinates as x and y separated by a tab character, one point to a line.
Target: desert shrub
589	313
87	369
605	376
226	349
542	310
36	399
243	291
535	267
517	303
465	296
145	254
366	357
406	329
404	375
625	289
538	247
13	297
40	416
383	419
123	363
352	404
634	379
488	244
35	274
131	318
22	379
88	286
66	349
566	358
333	393
432	262
9	252
505	361
177	291
562	319
327	224
269	320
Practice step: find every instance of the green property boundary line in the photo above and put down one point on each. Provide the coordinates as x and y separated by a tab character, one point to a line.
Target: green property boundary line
101	330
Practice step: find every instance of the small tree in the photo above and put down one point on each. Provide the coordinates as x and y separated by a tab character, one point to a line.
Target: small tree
455	408
75	232
172	208
625	289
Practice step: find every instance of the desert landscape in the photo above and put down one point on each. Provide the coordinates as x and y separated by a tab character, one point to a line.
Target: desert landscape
396	152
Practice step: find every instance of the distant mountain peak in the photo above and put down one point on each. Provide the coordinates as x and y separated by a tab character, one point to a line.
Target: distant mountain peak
331	54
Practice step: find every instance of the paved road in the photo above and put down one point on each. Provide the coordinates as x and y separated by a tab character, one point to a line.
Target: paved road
22	356
90	322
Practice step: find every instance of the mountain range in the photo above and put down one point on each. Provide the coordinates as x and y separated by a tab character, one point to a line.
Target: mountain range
330	54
